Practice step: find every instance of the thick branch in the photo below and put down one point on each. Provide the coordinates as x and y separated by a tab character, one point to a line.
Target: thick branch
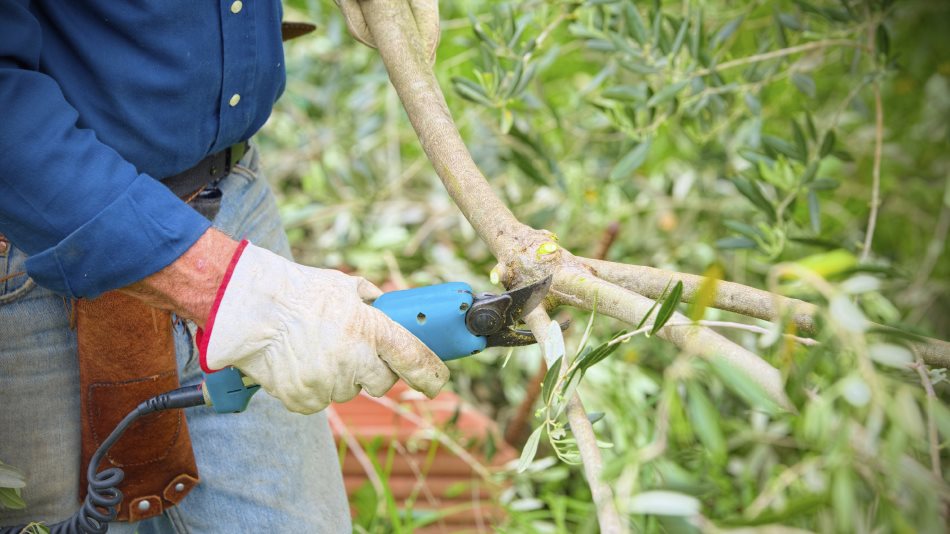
749	301
607	515
578	288
395	32
650	282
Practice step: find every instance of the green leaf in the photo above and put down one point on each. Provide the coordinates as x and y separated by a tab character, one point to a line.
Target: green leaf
626	93
810	171
732	243
665	503
593	417
456	489
530	449
635	26
668	307
753	103
843	499
882	41
751	191
10	498
810	124
11	477
550	377
471	91
800	143
787	20
783	147
824	184
814	212
653	307
744	386
827	144
596	355
680	37
705	420
632	161
666	93
805	84
727	30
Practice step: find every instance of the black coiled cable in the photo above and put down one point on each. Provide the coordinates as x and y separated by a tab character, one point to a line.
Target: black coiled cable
103	495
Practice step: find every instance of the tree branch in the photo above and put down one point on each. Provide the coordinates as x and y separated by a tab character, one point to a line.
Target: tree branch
580	289
607	515
749	301
400	46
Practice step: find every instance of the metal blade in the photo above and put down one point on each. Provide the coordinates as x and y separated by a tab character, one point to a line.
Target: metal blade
491	313
525	299
512	337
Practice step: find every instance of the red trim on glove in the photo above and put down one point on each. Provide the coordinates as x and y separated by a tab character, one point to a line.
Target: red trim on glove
203	336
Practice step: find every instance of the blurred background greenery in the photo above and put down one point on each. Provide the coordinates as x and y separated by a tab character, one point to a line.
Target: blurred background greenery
705	136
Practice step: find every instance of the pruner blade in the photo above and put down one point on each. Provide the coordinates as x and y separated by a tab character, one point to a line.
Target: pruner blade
494	316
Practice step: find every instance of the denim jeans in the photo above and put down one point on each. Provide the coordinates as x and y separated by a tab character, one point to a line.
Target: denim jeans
263	470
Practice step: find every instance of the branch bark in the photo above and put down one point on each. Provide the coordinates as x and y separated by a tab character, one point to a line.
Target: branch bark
650	282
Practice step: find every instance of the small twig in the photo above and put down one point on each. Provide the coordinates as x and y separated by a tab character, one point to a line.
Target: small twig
931	422
875	171
716	324
395	273
420	484
608	239
775	54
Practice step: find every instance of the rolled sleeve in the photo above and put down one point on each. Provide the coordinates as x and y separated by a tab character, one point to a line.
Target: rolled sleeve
142	230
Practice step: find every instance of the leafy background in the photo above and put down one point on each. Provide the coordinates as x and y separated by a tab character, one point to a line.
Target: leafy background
711	137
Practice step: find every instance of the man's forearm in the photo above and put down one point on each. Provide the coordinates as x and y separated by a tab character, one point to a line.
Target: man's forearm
188	285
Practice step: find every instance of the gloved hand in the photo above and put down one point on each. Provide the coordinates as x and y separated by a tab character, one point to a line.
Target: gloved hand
426	13
306	335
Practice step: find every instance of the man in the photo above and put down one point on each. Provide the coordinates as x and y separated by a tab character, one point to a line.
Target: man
100	102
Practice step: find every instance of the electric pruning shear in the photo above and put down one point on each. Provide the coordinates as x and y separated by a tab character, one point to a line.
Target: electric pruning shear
451	319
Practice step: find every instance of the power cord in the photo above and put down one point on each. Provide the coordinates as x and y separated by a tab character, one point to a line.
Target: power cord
103	495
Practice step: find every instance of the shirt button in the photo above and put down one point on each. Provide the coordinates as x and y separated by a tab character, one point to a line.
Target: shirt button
235	98
236	6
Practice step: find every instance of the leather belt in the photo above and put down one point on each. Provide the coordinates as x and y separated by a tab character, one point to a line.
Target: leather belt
207	171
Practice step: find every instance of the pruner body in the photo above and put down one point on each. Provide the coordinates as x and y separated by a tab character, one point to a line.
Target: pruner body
455	322
449	318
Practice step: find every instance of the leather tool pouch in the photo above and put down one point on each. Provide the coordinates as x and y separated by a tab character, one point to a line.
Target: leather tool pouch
127	355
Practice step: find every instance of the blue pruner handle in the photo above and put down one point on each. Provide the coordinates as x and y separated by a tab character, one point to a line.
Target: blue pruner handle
228	391
435	315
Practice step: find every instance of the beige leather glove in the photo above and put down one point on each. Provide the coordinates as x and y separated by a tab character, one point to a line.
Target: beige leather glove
426	13
306	335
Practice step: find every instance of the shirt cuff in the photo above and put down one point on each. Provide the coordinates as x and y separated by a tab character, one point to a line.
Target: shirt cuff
143	230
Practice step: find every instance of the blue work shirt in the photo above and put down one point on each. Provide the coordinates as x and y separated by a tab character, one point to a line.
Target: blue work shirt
101	98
